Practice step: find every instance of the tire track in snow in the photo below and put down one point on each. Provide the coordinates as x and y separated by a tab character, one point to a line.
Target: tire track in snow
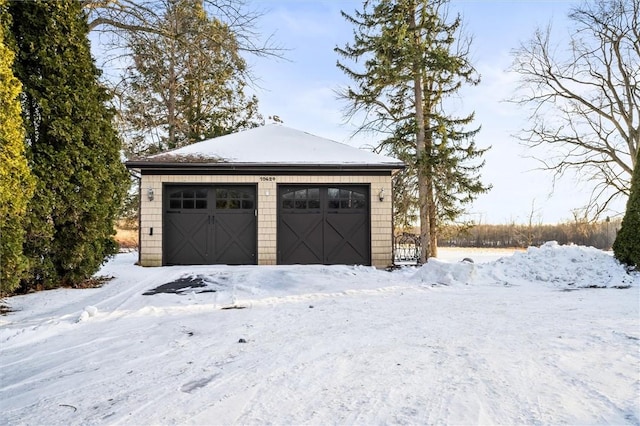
581	395
418	356
120	383
347	392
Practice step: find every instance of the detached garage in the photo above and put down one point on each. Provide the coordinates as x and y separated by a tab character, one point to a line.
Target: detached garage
269	195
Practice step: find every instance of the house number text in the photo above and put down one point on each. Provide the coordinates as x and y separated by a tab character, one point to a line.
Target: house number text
267	178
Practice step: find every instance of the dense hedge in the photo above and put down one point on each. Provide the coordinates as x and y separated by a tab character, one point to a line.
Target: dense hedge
73	149
16	182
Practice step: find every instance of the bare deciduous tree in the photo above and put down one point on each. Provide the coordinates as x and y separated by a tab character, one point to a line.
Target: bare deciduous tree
118	16
586	100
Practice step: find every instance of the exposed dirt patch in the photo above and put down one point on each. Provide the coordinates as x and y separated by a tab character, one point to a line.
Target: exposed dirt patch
93	282
181	286
5	309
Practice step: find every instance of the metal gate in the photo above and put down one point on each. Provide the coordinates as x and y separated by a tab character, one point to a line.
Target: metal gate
323	224
210	225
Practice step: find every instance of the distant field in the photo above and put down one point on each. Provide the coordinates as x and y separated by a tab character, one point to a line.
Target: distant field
127	238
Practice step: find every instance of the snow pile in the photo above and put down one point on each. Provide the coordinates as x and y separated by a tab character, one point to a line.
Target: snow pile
89	311
438	272
562	266
565	267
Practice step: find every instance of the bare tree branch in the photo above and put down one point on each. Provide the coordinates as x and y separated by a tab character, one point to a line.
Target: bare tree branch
118	16
585	105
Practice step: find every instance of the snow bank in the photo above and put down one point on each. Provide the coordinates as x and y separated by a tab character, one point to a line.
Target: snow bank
566	267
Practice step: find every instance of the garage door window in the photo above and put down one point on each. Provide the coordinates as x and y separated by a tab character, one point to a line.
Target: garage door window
339	198
188	199
301	199
234	199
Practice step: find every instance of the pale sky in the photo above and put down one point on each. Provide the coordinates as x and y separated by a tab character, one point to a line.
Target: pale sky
301	91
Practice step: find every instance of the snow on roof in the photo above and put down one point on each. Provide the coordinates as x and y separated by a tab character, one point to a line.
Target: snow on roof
275	144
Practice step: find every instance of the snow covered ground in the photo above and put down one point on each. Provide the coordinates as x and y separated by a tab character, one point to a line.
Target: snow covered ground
546	336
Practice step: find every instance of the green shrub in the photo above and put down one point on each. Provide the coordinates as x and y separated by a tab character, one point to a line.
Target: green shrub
16	182
626	247
73	147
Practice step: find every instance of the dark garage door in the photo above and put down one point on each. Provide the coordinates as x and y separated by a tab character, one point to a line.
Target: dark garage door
323	225
209	225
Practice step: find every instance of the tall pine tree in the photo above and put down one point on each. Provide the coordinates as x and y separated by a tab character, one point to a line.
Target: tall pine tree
16	182
413	61
73	148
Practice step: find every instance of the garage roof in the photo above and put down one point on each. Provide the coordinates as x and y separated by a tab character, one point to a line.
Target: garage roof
270	146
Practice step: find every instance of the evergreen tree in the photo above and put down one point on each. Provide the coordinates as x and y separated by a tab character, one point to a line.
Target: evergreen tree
186	83
73	148
413	61
16	181
626	247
